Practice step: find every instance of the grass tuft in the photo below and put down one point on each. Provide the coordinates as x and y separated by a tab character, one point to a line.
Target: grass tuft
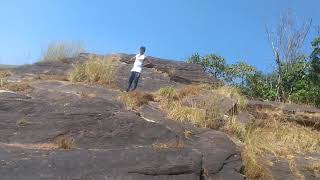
95	70
64	142
272	136
4	74
23	122
170	145
15	87
134	100
281	139
169	93
201	111
314	167
59	51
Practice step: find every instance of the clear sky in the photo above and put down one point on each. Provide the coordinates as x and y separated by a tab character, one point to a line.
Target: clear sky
172	29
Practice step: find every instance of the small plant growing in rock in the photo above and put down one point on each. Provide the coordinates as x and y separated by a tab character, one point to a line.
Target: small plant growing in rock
23	122
169	145
64	142
87	95
135	100
4	74
188	134
16	87
168	93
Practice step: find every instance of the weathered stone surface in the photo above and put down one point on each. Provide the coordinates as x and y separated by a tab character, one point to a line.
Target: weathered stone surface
49	68
150	79
177	71
220	157
290	108
301	114
110	141
131	163
299	167
244	117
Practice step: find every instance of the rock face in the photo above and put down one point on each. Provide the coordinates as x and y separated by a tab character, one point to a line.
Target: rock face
301	114
164	73
108	141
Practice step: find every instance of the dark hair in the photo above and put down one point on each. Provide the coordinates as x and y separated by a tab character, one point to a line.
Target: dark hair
143	48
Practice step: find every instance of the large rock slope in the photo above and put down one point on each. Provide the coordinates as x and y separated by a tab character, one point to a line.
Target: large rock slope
111	142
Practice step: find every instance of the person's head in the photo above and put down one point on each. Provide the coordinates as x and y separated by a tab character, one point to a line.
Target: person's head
142	50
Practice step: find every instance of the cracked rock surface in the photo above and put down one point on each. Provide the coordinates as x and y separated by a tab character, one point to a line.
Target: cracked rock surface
109	141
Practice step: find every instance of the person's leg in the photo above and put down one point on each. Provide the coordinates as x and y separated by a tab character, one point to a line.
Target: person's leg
131	78
136	80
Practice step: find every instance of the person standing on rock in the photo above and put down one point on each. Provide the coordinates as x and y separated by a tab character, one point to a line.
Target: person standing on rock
137	68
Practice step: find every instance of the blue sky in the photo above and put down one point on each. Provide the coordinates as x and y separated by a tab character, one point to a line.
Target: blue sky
172	29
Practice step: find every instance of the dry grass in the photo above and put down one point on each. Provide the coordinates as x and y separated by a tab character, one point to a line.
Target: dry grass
87	95
95	70
64	142
203	112
59	51
12	86
52	77
233	93
15	87
170	145
189	90
273	136
287	138
188	134
43	146
4	74
281	139
23	122
135	99
179	112
314	167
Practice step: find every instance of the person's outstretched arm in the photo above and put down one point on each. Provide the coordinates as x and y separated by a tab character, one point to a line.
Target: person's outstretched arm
133	58
148	61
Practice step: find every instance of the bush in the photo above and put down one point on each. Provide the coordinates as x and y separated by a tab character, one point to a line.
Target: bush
288	141
168	93
135	100
61	50
4	74
95	70
204	112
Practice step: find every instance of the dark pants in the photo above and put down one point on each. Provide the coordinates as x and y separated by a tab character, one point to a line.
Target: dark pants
134	78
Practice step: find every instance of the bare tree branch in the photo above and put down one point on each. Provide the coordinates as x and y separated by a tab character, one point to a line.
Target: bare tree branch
286	42
318	29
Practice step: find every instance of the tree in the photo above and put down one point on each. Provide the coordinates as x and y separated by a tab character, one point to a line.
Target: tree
241	71
286	42
260	85
213	64
315	70
315	61
196	59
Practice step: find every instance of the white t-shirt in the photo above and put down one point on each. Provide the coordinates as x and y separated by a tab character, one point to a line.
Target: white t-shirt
138	63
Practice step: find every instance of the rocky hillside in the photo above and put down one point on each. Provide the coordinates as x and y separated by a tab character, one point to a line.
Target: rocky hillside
51	128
